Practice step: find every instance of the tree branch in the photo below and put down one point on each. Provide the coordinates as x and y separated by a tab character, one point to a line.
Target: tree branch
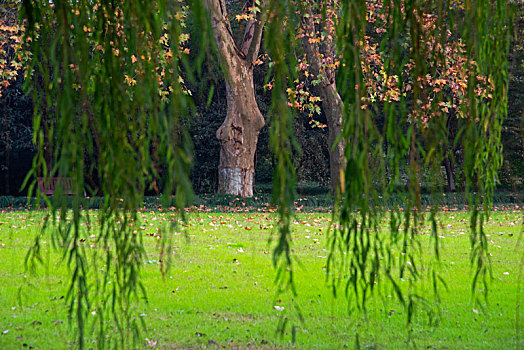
314	50
253	35
221	27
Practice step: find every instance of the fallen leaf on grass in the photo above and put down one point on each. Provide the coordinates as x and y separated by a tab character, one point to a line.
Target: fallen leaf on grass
151	342
391	312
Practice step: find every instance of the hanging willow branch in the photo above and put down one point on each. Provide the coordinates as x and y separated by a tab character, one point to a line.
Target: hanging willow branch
486	32
110	103
410	134
414	129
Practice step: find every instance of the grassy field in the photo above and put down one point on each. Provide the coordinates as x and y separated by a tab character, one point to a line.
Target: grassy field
220	289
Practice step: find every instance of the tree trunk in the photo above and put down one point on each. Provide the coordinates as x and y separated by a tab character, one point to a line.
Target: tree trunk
320	52
332	107
6	142
449	174
238	135
448	165
7	168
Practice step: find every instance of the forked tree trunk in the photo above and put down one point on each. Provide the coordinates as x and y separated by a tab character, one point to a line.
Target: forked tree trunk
238	135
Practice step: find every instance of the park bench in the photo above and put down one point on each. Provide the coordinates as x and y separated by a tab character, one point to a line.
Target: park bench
50	187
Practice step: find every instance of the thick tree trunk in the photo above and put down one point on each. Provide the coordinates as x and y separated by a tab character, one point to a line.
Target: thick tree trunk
238	135
332	107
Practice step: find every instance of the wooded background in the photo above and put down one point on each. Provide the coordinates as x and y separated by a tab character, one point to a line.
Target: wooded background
311	160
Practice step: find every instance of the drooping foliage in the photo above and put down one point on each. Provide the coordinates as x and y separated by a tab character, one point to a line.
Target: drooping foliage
416	36
109	101
106	93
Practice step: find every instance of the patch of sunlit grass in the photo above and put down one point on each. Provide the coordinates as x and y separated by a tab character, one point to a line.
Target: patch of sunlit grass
220	287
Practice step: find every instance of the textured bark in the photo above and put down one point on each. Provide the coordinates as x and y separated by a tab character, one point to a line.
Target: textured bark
238	134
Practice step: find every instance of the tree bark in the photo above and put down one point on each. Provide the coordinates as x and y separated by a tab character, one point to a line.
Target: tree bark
448	165
7	144
449	174
238	134
333	106
331	101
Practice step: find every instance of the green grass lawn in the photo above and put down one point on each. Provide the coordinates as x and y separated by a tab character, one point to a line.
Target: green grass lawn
220	289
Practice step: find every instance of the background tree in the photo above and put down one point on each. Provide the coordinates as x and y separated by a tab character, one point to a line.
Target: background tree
318	24
441	89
